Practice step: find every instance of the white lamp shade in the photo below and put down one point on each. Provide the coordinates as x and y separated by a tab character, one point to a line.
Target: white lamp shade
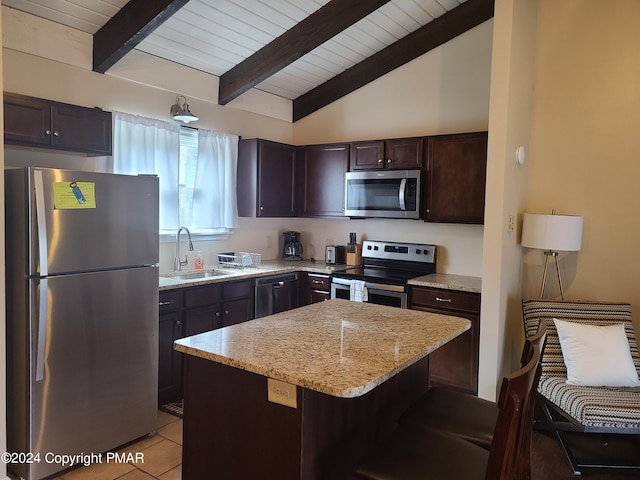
552	232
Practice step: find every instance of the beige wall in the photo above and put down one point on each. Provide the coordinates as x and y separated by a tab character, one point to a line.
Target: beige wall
514	37
586	144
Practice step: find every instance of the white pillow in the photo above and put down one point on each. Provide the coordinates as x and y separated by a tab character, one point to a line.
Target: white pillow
596	356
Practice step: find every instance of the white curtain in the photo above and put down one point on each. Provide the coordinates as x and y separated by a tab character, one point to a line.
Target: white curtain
214	198
148	146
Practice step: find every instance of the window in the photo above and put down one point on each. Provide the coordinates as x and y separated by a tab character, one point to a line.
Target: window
187	170
196	168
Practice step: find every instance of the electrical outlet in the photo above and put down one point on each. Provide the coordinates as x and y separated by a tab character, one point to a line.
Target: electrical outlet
511	226
269	242
282	393
329	241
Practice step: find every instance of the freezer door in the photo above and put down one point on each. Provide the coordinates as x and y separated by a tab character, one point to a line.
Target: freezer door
83	221
94	356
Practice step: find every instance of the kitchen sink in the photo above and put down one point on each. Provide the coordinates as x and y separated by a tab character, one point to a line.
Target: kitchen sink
194	275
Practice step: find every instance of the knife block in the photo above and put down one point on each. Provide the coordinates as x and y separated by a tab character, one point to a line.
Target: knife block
355	258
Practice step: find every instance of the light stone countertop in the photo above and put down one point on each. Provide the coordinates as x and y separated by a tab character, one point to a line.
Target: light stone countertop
336	347
269	267
450	282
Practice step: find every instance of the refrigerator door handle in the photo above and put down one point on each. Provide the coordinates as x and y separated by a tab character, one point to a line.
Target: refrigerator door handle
41	223
42	330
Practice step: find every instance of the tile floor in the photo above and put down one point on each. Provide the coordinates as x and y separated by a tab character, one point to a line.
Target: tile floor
162	457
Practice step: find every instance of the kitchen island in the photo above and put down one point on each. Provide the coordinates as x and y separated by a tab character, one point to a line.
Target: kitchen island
303	393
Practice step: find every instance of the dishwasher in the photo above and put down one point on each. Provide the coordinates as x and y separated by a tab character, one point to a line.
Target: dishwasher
276	293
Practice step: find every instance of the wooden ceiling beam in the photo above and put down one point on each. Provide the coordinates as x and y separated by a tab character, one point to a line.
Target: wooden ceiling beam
435	33
317	28
127	28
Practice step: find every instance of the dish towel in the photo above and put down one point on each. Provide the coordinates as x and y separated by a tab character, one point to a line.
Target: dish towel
358	291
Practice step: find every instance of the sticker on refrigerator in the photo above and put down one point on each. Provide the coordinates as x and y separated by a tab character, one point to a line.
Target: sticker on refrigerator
73	195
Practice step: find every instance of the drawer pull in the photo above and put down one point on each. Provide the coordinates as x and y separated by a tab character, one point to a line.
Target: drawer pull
317	282
164	304
446	300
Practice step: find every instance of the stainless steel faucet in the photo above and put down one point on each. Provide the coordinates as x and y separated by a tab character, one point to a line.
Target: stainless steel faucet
177	263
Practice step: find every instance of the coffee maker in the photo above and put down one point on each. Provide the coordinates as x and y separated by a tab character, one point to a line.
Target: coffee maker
291	246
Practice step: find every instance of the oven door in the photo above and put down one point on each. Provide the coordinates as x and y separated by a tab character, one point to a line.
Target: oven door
380	294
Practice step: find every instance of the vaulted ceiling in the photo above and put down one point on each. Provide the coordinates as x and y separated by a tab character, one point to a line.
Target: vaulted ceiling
312	52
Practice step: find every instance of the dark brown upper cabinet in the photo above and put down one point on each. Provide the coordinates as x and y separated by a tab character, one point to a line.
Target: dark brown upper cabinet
398	154
266	179
36	122
456	170
320	179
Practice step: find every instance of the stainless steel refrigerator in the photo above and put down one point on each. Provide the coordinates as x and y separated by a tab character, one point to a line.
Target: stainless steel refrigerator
82	313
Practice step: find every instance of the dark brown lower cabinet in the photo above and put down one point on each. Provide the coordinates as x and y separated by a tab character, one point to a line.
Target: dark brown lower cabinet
314	287
190	311
169	361
231	430
456	363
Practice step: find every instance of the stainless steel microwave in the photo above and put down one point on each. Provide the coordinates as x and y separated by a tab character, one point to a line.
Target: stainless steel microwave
385	194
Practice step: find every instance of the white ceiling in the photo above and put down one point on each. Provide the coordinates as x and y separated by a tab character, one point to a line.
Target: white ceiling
215	35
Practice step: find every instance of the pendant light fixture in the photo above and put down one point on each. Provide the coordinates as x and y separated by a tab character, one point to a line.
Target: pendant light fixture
181	112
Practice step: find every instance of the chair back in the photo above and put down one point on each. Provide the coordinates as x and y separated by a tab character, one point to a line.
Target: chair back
590	313
523	457
515	393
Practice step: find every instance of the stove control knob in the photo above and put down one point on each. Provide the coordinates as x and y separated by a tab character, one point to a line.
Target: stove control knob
375	247
418	251
368	247
426	252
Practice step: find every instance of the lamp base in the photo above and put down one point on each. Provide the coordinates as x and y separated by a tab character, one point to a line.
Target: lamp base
551	253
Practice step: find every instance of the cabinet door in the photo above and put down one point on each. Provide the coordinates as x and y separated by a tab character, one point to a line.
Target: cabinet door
320	179
404	153
27	121
276	170
236	311
204	319
81	129
169	361
456	178
455	364
367	155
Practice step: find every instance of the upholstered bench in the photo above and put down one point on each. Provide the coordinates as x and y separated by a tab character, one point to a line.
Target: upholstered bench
586	409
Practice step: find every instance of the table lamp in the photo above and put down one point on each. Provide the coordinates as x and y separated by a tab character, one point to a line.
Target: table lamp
552	233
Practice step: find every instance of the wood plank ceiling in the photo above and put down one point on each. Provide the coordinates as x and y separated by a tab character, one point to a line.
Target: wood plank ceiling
310	51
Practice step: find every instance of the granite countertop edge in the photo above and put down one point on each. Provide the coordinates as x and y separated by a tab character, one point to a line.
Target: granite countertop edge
267	358
446	281
168	281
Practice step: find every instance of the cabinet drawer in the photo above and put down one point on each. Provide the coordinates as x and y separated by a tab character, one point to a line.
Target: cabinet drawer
446	299
233	290
169	301
198	296
319	282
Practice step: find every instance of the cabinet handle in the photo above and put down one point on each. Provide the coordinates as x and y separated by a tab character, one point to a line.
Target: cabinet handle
379	161
178	322
217	314
55	134
164	304
47	131
261	207
226	312
446	300
316	282
388	160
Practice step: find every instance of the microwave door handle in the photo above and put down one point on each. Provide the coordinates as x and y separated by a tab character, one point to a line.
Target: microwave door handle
401	193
